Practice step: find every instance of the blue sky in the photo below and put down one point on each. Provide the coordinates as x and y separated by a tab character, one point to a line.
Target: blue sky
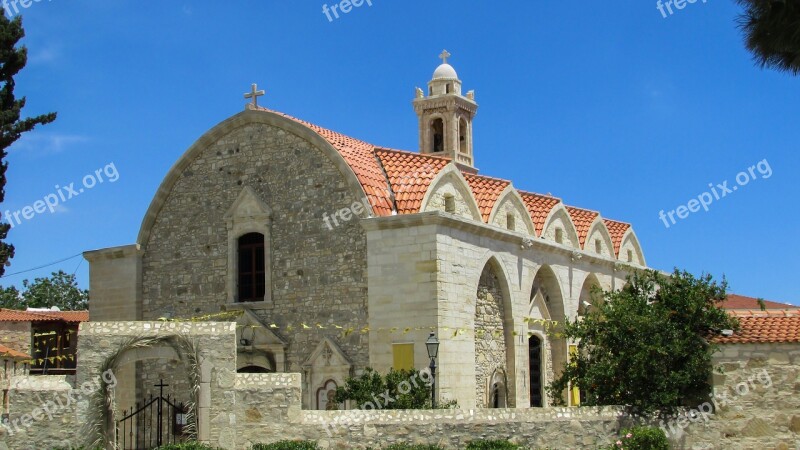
607	105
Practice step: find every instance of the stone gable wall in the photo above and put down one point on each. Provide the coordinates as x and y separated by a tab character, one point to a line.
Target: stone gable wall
318	274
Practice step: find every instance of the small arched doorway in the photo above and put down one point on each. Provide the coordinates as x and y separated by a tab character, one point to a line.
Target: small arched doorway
535	357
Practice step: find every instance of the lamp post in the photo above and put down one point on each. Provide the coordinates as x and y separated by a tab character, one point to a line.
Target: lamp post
432	345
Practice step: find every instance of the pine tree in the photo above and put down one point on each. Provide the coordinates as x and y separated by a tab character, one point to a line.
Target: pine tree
772	33
12	61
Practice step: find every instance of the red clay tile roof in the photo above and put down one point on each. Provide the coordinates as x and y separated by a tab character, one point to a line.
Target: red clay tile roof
735	301
539	207
759	327
617	231
360	157
583	219
410	175
486	191
12	315
71	316
373	165
13	354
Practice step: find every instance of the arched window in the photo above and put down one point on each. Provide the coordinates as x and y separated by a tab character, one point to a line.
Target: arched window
252	268
462	136
437	135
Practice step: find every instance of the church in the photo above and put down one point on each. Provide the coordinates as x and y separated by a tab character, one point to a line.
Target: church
340	255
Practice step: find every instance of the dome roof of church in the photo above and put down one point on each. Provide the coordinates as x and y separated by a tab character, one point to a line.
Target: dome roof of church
445	71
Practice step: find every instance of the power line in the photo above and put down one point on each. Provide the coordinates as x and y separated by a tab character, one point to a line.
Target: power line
42	267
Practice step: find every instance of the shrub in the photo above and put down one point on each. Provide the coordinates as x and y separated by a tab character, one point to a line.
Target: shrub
491	445
408	389
287	445
642	438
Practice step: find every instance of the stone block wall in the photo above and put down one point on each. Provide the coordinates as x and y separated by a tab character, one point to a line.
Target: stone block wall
268	410
16	336
44	412
756	403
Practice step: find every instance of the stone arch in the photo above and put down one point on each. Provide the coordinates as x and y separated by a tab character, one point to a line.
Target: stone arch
630	242
599	234
547	290
559	219
451	182
122	362
226	127
494	327
588	297
510	202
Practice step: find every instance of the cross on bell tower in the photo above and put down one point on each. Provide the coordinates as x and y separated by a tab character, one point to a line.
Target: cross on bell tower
445	116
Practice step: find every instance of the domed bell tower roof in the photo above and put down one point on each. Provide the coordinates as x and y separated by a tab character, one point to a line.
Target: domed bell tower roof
446	115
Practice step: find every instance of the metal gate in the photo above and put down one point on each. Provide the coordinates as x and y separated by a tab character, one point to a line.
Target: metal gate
156	422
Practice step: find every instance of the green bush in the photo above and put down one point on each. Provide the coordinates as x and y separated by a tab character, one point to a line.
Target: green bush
642	438
287	445
407	389
491	445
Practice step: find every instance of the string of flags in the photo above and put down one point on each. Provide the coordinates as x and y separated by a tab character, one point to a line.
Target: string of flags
346	331
45	340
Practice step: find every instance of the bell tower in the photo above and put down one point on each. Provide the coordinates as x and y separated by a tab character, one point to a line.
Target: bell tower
445	116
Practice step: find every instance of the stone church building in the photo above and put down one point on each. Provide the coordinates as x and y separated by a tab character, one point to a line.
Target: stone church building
344	255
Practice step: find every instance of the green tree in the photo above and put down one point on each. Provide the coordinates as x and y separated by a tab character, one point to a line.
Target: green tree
11	298
647	346
60	289
772	32
12	61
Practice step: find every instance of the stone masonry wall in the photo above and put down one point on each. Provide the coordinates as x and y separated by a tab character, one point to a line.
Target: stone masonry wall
318	273
43	414
16	336
756	404
490	343
268	410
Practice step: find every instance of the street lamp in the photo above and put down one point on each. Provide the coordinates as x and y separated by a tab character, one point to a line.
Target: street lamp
433	351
